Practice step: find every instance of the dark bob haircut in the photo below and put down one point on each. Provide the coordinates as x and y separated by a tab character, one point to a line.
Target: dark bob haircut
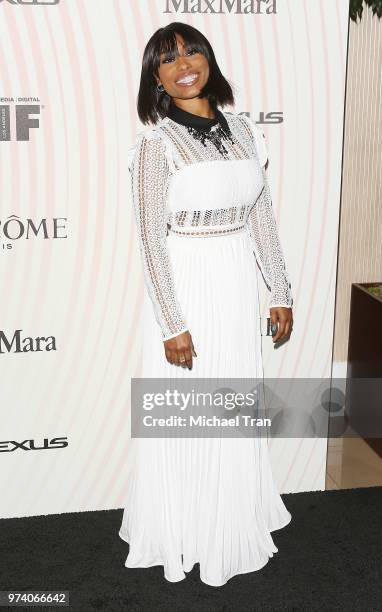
152	104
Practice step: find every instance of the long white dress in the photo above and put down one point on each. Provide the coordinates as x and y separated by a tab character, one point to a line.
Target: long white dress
204	216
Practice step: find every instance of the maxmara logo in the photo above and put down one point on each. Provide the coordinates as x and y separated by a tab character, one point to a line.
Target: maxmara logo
8	446
218	7
26	344
31	2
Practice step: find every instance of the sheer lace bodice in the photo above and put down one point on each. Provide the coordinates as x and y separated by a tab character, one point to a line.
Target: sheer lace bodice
183	184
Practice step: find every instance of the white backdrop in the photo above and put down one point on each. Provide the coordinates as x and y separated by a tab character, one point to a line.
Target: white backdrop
77	280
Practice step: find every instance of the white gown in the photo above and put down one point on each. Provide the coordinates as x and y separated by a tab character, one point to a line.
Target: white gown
210	501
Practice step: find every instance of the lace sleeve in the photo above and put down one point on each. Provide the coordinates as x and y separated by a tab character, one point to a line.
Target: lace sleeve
264	234
149	169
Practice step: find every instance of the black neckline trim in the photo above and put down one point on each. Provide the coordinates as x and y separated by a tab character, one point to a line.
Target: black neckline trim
190	119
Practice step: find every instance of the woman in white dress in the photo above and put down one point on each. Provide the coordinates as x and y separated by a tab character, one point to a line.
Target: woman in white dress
204	218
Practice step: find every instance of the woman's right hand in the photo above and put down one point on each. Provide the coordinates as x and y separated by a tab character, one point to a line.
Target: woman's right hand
179	350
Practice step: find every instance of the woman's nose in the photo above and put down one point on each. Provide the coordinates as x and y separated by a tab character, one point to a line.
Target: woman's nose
183	61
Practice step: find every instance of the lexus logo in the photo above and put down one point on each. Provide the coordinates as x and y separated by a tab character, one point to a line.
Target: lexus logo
8	446
31	2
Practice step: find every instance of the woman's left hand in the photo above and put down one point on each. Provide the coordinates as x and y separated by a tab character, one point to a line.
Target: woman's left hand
284	317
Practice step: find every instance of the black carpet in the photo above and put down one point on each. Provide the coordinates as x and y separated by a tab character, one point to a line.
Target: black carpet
330	558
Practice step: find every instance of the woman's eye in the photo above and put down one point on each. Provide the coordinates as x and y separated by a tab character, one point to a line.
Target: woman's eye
172	57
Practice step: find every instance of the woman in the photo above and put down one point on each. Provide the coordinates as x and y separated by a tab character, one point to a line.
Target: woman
204	217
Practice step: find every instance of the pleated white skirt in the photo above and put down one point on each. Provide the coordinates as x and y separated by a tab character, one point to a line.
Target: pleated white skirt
211	501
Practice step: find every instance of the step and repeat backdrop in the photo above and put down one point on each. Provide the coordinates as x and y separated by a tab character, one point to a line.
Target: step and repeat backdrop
71	276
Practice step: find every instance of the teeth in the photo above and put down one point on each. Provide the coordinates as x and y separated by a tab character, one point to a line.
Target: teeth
188	79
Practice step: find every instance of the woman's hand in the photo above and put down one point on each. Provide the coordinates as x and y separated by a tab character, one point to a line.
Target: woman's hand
179	350
284	317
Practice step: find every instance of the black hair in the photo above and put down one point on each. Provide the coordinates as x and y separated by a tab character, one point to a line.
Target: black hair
152	104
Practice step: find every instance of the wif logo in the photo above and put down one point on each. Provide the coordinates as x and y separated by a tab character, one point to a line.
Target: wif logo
24	122
31	2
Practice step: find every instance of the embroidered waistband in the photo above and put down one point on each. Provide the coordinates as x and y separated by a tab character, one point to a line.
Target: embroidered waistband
197	231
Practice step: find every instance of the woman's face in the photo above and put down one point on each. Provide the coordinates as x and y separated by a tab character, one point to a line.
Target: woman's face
174	68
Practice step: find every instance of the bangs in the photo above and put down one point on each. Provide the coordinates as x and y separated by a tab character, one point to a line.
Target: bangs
168	44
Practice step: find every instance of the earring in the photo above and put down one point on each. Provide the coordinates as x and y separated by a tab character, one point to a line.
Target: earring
160	88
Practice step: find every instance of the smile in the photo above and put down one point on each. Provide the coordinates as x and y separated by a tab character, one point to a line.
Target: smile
188	80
